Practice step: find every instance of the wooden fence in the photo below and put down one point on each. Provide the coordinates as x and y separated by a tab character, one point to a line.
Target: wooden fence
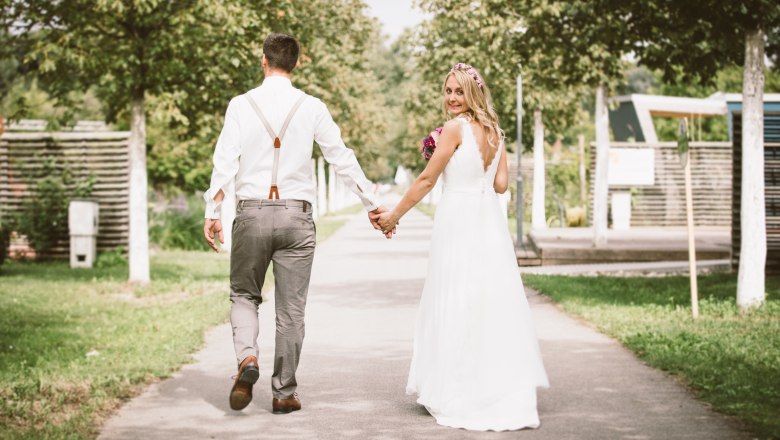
104	155
663	203
771	190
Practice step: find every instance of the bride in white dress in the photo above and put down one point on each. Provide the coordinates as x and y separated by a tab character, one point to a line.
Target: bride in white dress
476	362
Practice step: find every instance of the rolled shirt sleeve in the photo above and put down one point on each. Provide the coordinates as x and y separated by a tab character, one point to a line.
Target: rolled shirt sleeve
328	136
226	155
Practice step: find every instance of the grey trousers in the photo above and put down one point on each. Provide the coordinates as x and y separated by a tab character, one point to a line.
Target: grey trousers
281	231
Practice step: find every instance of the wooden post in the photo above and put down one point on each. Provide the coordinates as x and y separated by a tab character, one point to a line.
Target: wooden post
685	157
691	241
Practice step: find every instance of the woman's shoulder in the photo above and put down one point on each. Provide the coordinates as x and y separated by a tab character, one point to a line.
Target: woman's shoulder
452	126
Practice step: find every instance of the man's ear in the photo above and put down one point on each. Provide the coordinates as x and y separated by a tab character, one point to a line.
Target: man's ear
264	62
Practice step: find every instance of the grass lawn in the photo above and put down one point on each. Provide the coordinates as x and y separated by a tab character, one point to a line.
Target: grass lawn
74	344
730	361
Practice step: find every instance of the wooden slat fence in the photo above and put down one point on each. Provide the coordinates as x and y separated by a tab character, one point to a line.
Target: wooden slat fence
771	190
102	154
663	203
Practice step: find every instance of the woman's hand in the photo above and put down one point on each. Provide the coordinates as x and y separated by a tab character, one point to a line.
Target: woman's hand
388	221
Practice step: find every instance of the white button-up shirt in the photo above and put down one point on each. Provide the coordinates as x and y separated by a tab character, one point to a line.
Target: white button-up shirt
245	149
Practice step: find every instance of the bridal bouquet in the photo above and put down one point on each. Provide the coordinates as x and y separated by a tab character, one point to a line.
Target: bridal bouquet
429	143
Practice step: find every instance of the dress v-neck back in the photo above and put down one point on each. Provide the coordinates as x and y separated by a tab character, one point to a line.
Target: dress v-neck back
466	169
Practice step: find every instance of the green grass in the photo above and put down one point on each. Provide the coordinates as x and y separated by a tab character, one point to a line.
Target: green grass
729	360
75	344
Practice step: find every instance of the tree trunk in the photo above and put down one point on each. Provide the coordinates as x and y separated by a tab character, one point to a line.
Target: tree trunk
752	253
139	222
538	220
602	162
583	176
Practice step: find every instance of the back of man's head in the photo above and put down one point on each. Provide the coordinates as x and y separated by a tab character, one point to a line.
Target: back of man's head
281	51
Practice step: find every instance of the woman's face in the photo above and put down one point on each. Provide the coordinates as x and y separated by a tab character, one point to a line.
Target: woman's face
453	96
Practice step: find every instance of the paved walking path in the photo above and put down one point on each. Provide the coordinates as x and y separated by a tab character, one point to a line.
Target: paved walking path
360	322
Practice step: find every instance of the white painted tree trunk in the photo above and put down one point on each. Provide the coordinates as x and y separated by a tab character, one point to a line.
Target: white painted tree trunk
752	253
139	221
315	212
228	213
322	187
602	162
331	189
538	220
583	178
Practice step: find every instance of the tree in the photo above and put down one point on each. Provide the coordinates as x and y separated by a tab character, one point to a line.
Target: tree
492	36
696	40
181	62
582	43
132	50
337	45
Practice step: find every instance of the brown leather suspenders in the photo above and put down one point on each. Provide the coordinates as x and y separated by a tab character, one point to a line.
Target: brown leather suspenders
274	192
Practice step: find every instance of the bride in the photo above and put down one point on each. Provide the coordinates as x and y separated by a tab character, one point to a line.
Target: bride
476	362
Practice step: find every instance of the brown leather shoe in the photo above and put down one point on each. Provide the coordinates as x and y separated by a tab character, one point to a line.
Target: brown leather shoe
241	393
288	405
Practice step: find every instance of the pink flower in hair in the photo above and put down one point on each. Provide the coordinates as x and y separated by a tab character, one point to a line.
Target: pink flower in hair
472	72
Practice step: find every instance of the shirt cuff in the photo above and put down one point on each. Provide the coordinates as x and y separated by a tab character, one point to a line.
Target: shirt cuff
213	210
370	202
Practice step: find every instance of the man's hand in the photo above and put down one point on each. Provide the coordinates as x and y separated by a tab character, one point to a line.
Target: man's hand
387	222
211	228
373	217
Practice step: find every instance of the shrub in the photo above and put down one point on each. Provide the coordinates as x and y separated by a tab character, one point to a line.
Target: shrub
43	218
178	226
5	241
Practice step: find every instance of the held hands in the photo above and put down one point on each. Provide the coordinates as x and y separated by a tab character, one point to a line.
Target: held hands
387	221
213	228
374	216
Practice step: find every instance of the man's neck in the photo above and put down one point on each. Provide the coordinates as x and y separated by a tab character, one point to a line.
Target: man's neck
279	73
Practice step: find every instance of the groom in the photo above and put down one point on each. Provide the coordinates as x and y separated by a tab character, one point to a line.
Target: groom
266	145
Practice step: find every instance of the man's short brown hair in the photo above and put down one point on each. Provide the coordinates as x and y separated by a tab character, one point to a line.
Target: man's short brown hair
281	51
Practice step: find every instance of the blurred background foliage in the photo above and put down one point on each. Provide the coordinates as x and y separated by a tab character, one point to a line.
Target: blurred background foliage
384	95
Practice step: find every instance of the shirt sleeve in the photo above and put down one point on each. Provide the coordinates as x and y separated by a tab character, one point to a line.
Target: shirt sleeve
226	155
328	136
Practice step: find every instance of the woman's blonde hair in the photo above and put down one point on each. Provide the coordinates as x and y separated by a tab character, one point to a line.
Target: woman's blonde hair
480	107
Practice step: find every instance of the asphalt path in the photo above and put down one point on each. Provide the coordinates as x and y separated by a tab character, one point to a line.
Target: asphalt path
352	375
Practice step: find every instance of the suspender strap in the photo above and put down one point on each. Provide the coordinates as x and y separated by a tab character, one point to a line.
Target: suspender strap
274	192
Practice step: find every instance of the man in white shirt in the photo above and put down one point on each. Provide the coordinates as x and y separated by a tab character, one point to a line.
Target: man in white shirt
266	145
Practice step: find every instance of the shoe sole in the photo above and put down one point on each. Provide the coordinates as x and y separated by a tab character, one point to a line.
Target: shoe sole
285	411
239	401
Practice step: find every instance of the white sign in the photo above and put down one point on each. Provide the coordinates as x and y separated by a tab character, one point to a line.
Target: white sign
631	167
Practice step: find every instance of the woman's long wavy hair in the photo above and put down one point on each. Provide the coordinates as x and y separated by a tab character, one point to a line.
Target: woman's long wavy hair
480	109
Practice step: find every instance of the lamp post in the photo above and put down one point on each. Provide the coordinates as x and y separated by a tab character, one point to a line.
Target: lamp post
519	202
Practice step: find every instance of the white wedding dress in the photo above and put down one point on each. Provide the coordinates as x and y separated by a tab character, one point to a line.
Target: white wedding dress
476	361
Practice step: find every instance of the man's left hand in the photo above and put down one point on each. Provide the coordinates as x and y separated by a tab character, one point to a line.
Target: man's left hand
213	228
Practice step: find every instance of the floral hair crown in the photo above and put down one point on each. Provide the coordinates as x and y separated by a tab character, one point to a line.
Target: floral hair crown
471	71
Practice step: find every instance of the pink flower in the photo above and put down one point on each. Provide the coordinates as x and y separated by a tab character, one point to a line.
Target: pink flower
429	143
